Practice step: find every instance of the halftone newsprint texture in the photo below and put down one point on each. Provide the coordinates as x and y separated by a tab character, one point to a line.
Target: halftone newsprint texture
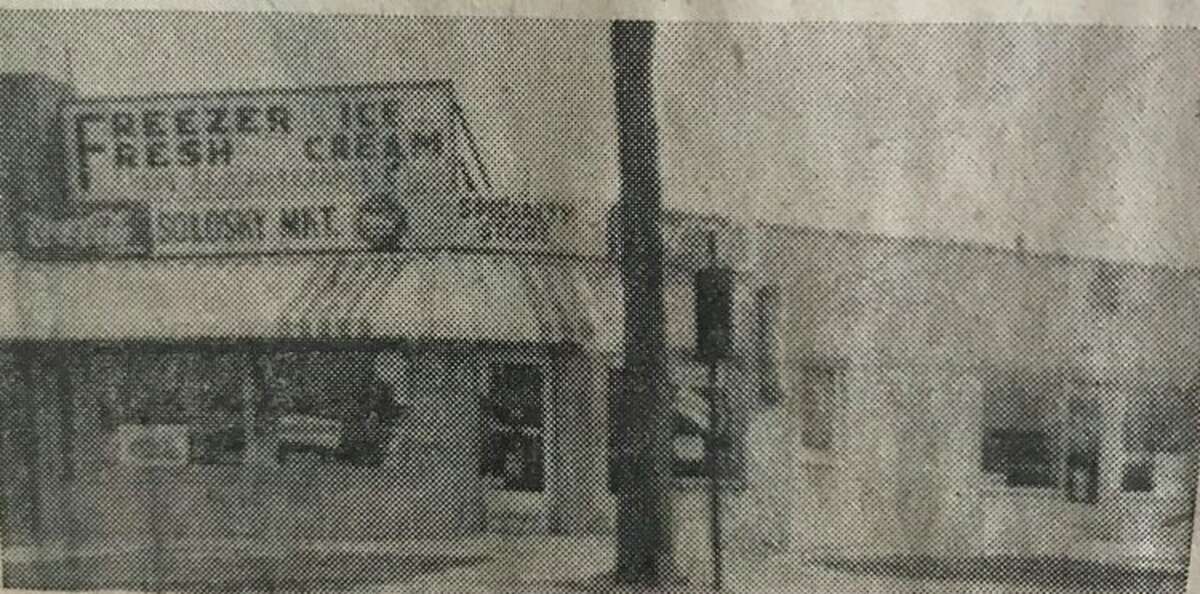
296	302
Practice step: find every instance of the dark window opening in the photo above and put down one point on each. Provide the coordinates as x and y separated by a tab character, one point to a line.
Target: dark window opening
1023	458
815	406
1021	442
1138	475
512	455
1085	422
1160	424
768	355
1105	288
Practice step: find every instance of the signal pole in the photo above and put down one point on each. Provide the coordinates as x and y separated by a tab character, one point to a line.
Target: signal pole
712	450
714	333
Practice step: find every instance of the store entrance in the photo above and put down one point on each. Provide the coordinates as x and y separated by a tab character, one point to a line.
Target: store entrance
1085	425
512	453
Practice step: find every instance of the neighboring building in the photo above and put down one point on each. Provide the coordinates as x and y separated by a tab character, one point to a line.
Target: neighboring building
953	399
345	335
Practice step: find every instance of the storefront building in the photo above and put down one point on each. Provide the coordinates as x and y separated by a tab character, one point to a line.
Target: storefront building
303	314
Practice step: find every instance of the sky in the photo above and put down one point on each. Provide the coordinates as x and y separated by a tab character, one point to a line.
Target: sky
1080	139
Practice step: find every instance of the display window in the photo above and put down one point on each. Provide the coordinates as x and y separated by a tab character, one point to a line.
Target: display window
161	408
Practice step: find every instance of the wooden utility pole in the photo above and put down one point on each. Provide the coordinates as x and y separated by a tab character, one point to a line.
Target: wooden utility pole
645	547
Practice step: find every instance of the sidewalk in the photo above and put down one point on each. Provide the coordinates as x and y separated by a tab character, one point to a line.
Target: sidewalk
485	564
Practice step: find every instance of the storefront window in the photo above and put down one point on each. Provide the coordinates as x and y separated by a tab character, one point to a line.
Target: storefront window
180	407
164	408
329	407
1021	442
1159	432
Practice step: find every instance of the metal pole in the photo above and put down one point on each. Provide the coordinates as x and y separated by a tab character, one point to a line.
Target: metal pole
713	443
714	475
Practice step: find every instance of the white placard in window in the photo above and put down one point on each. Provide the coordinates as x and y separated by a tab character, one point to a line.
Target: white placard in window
152	445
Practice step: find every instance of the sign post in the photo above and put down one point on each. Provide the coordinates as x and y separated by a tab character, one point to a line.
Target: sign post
714	325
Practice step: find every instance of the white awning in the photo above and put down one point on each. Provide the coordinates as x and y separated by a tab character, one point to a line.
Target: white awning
153	300
440	297
414	297
420	297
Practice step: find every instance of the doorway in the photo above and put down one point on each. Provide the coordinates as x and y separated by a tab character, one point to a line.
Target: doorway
512	455
1085	424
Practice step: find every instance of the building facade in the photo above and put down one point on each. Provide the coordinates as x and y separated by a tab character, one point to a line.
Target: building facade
303	314
956	399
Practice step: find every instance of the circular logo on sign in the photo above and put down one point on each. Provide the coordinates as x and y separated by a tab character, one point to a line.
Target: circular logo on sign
381	221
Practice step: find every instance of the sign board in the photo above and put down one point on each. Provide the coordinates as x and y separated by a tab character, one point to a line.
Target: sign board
286	144
152	445
347	222
97	230
714	313
374	167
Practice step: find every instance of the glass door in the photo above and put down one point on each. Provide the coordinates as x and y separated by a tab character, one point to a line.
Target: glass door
512	453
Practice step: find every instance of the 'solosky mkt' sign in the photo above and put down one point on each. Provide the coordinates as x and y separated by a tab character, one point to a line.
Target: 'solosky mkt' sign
379	222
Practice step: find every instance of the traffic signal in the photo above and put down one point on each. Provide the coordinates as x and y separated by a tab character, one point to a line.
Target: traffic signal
714	313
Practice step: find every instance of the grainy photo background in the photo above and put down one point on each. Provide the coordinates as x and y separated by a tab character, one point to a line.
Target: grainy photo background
966	342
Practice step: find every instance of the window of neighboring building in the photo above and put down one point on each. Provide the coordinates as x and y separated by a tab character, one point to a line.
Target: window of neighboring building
815	398
1021	430
1159	421
1083	445
768	354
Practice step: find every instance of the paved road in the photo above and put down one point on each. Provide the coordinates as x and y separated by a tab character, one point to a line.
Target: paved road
494	564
